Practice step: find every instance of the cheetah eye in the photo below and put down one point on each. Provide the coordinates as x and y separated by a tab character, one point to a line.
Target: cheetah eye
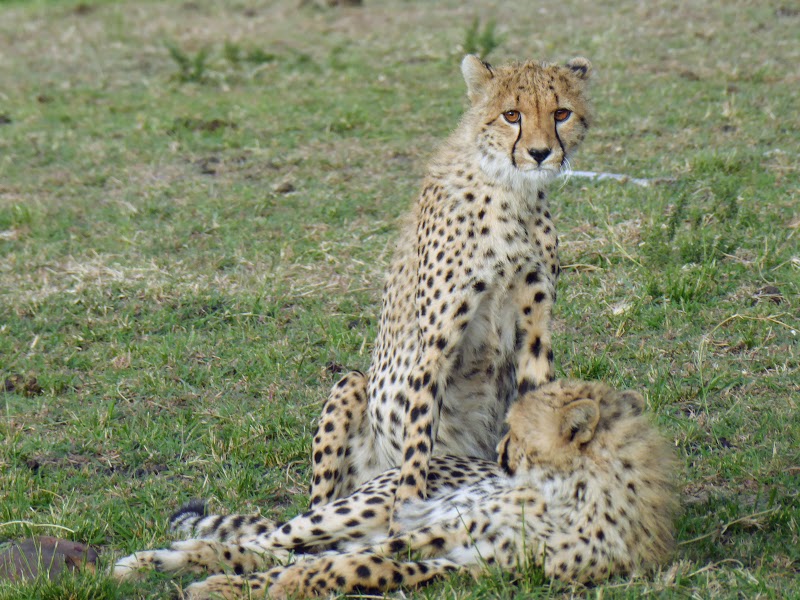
512	116
562	114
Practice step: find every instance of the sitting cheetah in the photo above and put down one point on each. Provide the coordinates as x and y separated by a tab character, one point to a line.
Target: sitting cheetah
465	324
583	486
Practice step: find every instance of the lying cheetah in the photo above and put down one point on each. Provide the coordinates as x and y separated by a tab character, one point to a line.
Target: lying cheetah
465	324
583	486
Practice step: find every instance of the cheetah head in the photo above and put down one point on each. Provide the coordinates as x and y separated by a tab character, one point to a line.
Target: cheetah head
564	422
527	119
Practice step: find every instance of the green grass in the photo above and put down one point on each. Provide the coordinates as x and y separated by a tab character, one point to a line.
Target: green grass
192	243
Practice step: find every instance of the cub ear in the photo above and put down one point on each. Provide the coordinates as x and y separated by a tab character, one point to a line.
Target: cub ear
578	421
633	399
581	67
503	457
476	73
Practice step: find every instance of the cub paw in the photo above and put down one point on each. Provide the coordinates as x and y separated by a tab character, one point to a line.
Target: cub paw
134	566
227	587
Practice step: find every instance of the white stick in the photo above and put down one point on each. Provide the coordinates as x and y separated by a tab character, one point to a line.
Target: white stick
614	176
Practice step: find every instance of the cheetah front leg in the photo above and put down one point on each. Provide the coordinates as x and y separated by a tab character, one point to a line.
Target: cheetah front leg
342	572
195	556
440	339
341	416
246	543
534	295
372	569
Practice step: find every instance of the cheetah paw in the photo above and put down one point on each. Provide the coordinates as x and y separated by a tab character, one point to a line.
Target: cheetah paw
175	560
227	587
134	566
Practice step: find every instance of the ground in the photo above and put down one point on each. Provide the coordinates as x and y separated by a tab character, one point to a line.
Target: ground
198	201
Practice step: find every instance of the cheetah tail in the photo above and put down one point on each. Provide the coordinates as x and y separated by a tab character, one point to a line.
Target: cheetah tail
188	516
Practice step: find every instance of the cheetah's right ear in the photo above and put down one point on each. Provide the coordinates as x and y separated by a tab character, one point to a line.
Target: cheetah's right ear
579	420
476	73
581	67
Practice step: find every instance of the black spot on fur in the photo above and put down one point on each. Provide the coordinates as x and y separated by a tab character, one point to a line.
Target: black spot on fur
397	546
525	386
363	572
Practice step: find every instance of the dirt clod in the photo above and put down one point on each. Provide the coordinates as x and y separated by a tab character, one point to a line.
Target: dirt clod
17	383
83	9
283	187
769	293
334	367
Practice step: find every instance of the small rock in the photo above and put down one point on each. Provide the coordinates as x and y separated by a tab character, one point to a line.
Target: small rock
44	556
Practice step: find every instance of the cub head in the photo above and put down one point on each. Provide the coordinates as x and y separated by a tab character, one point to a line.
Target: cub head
564	422
526	118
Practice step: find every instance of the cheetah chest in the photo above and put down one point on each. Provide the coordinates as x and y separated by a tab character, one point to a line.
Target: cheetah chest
480	381
481	385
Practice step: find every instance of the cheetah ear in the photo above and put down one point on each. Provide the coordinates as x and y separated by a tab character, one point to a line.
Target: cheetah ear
579	420
581	67
503	458
476	73
634	399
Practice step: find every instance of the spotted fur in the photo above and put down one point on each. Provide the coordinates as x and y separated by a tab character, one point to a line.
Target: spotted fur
583	486
466	320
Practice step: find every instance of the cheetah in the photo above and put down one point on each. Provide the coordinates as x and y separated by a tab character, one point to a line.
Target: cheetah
465	324
583	486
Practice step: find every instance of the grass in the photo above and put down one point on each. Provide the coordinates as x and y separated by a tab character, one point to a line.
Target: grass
192	244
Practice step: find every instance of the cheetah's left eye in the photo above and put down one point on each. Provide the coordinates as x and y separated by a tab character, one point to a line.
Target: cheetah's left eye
562	114
512	116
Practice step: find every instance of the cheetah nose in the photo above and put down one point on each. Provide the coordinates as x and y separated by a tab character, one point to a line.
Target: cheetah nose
539	154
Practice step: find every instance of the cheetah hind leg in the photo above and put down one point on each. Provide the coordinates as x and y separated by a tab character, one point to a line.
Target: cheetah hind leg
319	576
341	416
